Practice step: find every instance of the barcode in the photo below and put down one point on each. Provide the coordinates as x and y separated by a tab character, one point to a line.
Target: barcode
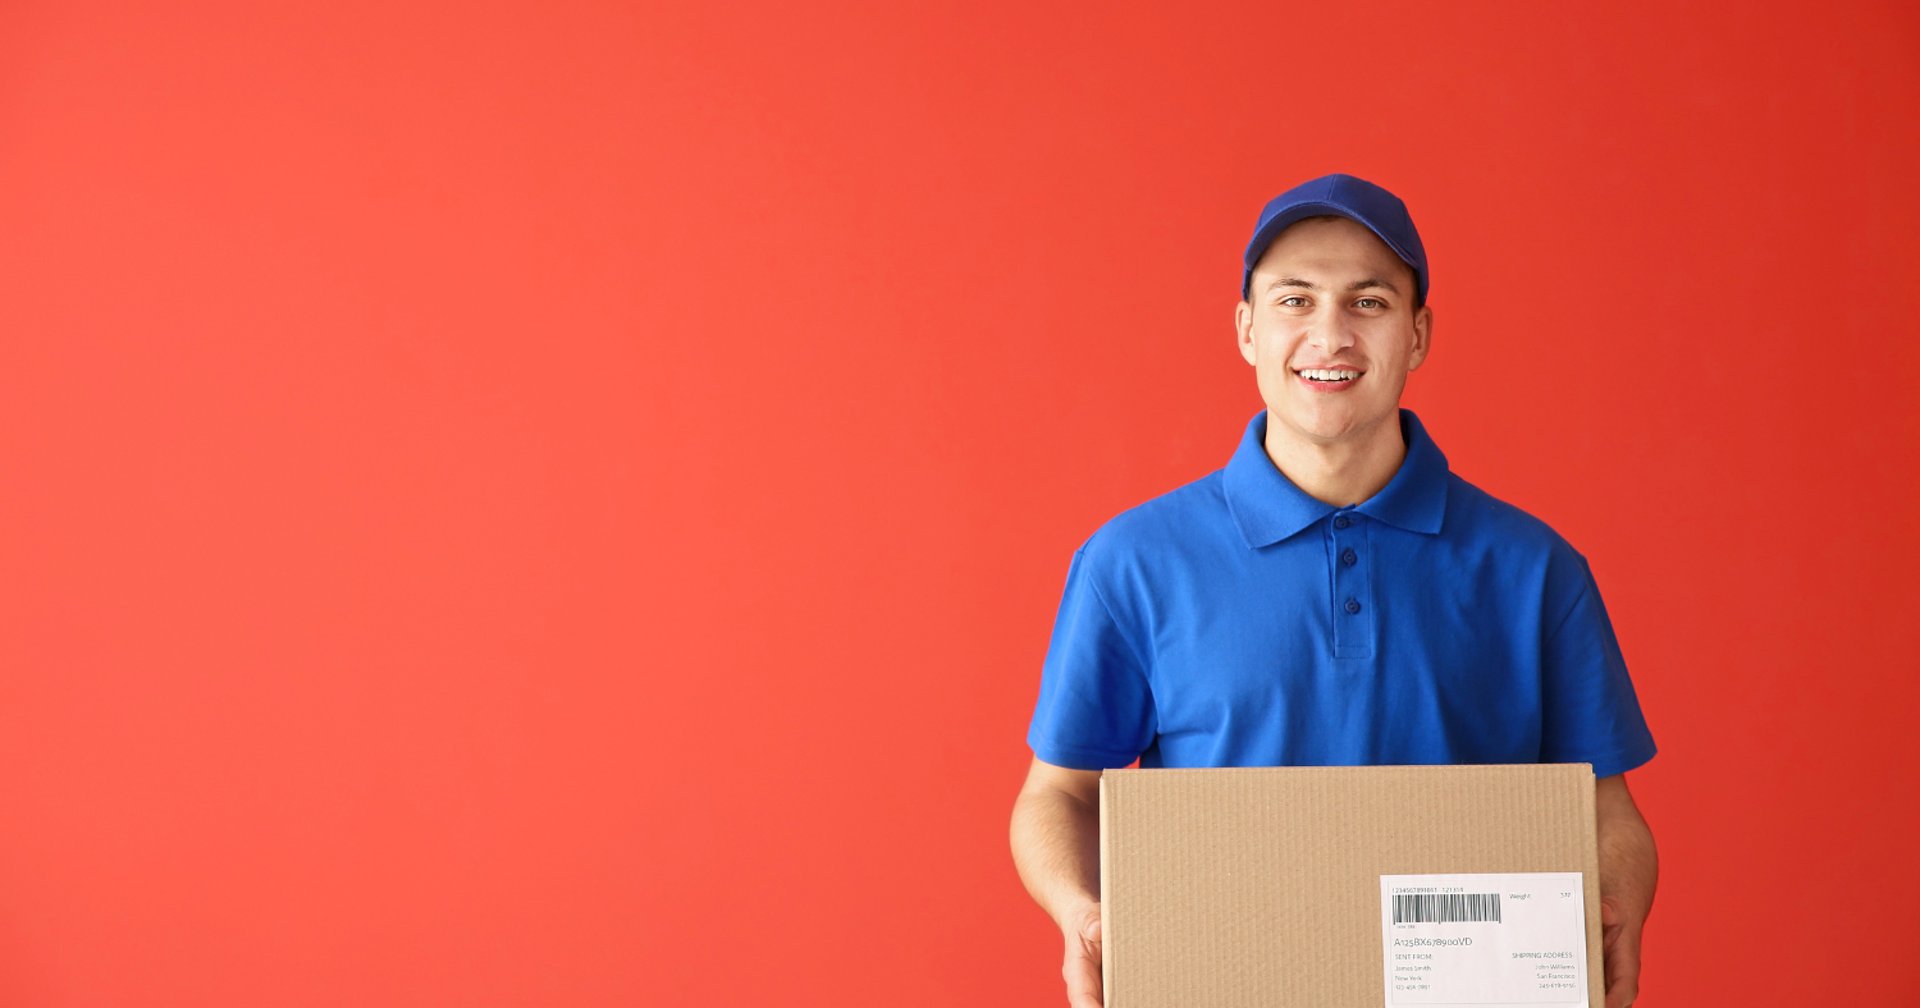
1446	908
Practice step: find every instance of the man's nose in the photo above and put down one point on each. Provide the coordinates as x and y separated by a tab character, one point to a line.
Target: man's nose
1328	335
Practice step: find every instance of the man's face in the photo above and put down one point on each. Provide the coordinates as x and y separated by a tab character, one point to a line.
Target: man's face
1331	331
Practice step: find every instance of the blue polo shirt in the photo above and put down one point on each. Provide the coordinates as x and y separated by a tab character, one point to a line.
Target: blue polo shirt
1237	621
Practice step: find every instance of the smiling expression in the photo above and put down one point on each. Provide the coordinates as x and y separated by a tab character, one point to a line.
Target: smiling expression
1331	330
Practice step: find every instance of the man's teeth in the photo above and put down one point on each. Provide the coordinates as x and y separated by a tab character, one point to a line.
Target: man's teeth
1319	375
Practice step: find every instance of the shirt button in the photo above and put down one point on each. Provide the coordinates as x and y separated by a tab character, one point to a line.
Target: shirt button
1353	606
1349	557
1341	521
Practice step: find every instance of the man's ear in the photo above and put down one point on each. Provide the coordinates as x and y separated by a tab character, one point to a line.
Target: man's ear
1422	335
1243	324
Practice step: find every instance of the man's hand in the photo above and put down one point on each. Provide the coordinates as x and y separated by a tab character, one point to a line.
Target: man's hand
1082	967
1629	871
1620	945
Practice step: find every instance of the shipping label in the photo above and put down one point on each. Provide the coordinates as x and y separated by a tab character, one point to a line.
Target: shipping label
1518	940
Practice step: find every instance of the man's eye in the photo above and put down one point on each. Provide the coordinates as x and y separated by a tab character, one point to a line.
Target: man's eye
1369	303
1293	301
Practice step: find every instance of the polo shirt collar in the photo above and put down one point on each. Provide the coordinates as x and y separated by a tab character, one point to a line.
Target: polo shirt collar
1268	507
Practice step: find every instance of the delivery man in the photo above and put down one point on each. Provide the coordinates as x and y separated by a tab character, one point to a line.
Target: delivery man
1333	596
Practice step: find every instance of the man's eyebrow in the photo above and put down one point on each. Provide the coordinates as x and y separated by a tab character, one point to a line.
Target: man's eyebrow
1357	285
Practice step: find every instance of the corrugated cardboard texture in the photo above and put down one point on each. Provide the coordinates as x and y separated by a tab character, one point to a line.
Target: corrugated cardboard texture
1261	886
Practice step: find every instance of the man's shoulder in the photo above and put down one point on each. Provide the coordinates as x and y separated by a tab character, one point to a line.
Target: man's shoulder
1473	513
1193	510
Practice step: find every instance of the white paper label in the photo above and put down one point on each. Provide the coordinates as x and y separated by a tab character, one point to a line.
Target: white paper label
1516	940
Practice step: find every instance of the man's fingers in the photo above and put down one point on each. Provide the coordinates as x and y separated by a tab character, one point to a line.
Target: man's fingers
1083	981
1082	969
1622	955
1623	973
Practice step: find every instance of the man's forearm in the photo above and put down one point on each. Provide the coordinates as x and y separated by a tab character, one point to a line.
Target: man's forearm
1056	847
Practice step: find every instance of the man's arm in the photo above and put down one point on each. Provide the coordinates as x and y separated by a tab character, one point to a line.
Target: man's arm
1629	871
1055	835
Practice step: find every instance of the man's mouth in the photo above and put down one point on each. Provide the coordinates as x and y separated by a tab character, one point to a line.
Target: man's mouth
1327	374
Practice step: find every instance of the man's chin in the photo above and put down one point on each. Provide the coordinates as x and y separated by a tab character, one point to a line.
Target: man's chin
1319	428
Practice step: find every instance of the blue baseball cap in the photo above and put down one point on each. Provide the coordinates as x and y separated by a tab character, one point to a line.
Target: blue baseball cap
1356	198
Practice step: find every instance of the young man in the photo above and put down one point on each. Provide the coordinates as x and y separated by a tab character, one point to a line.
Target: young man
1333	596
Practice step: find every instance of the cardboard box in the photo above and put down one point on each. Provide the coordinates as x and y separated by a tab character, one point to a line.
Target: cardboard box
1264	886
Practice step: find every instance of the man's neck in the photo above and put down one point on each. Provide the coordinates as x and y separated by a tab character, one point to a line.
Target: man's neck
1340	473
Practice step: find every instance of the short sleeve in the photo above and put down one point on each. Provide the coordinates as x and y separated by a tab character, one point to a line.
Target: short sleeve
1589	711
1095	709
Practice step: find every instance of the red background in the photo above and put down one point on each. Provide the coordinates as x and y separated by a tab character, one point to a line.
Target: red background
563	504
